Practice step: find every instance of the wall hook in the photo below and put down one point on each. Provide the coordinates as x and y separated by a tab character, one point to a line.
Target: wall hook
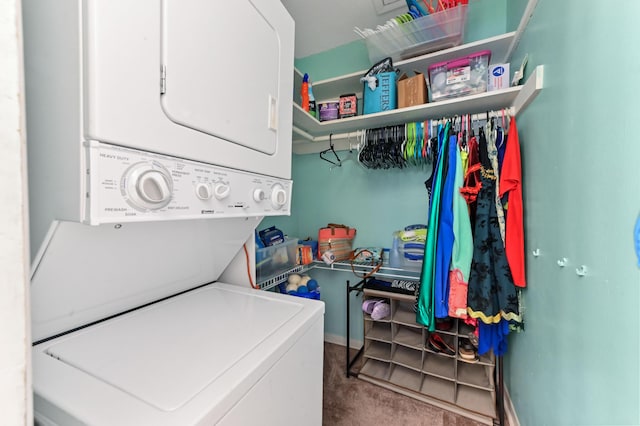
563	262
536	252
581	271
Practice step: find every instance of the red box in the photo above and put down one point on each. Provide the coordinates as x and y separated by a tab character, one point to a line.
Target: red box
348	105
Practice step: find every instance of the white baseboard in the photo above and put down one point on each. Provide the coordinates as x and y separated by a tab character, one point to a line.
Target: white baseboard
342	341
509	409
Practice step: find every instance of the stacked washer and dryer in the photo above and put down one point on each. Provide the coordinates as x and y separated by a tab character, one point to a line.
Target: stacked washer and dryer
158	137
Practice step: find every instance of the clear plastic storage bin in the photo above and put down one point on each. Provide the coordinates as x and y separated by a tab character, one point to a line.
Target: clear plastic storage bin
275	260
461	77
423	35
406	254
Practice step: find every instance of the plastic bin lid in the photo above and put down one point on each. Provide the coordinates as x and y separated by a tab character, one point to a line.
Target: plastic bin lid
459	61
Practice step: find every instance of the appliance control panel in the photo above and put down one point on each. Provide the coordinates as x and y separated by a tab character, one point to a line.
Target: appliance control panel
127	185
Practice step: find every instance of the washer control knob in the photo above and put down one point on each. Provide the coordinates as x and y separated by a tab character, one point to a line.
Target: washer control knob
203	191
153	187
147	186
278	196
259	195
221	190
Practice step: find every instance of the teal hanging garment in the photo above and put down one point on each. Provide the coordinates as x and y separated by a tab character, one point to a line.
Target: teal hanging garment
424	313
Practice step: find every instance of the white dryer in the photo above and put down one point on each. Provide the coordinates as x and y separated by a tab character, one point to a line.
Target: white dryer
196	80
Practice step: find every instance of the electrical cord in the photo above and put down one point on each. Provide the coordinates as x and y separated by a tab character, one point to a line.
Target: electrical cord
376	265
246	254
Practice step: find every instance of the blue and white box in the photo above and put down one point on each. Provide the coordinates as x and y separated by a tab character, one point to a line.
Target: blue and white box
498	77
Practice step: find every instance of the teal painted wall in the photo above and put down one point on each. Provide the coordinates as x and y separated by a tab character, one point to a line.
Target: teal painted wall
375	202
577	363
515	10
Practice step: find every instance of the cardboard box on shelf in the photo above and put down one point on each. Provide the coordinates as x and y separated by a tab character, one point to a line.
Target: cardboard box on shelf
412	90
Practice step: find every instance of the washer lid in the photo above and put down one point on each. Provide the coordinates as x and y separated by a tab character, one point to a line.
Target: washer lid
167	353
87	273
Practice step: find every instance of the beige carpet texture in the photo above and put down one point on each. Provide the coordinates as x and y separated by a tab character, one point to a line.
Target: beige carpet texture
354	402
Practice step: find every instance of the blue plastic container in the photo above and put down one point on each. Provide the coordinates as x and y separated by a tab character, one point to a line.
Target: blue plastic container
309	295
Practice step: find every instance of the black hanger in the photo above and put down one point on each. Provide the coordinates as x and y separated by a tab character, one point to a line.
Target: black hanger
331	149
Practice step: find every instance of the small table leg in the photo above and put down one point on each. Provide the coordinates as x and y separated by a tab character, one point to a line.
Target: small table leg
358	287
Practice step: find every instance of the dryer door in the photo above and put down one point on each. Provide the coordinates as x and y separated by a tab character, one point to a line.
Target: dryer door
221	76
225	67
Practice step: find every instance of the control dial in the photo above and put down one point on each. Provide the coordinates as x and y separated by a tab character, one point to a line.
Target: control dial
278	196
147	186
259	195
221	190
203	191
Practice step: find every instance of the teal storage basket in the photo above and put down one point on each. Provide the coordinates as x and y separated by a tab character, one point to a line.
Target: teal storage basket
384	97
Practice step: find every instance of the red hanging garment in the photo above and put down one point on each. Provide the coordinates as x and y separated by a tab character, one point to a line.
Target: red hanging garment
511	184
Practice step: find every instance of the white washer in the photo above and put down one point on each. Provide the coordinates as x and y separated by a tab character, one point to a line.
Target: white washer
216	354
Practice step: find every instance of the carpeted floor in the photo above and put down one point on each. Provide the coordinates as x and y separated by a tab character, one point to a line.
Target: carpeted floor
354	402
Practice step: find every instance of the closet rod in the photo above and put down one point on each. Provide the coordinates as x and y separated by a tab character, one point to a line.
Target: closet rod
343	141
474	117
324	138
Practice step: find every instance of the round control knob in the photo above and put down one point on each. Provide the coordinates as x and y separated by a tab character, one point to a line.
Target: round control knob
259	195
147	186
221	190
203	191
278	196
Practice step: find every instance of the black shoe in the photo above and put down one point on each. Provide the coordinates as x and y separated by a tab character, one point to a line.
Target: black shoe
437	344
466	351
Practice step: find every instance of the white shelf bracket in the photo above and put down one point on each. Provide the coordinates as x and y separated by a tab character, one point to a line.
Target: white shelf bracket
530	90
526	17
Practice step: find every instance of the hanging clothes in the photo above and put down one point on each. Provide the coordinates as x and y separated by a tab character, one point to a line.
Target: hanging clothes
444	243
511	186
492	151
424	311
472	182
492	294
462	252
493	337
501	145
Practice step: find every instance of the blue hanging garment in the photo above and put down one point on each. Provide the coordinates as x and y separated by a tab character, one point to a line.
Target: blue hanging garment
444	245
424	313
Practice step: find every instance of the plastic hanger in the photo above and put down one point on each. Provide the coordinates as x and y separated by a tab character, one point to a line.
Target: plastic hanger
338	162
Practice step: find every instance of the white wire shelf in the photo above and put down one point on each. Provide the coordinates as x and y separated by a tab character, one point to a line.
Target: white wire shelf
343	266
280	278
364	267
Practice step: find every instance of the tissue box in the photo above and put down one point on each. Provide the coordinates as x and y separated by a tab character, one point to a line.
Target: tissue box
498	77
383	97
412	90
